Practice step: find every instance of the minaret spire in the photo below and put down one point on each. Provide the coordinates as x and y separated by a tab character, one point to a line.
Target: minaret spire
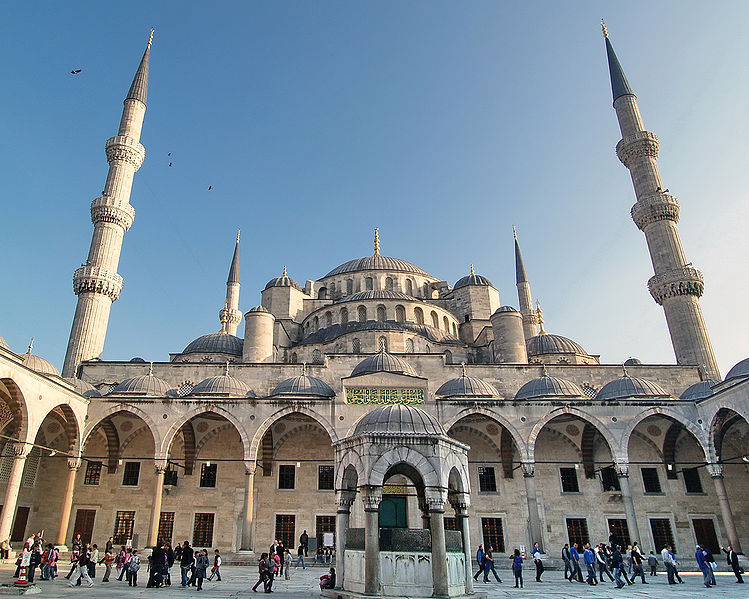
229	315
676	286
97	283
530	318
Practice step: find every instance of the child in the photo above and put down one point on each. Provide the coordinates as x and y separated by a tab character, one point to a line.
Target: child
132	569
216	565
653	563
327	581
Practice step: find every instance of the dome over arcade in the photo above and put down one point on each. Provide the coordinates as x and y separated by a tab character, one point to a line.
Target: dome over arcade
699	390
466	386
630	386
38	364
383	362
83	388
303	385
632	362
146	385
224	385
283	281
216	343
473	279
553	344
399	419
548	386
741	370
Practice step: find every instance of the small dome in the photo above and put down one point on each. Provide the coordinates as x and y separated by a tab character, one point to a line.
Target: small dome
137	360
83	388
216	343
399	419
303	385
630	386
473	279
385	294
224	385
283	281
632	362
699	390
39	364
505	309
146	385
377	262
3	344
383	362
467	386
741	370
548	386
258	309
553	344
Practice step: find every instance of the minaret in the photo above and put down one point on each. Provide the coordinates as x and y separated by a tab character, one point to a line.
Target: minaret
676	286
230	312
97	283
530	320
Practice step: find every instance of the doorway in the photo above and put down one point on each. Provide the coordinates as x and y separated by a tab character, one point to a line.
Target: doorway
393	513
84	524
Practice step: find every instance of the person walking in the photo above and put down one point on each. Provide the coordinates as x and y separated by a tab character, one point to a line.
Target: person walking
602	565
637	569
517	567
304	542
263	568
49	569
577	573
567	558
107	560
653	563
75	554
732	559
301	551
480	561
617	563
710	561
279	553
699	555
590	564
201	567
170	556
132	569
185	562
126	555
81	571
489	565
93	561
216	569
536	553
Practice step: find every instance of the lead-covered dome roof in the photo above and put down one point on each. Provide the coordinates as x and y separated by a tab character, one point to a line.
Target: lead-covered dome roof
741	370
83	388
473	279
548	386
630	386
399	419
38	364
224	385
553	344
699	390
146	385
283	281
377	262
383	294
467	386
303	385
216	343
383	362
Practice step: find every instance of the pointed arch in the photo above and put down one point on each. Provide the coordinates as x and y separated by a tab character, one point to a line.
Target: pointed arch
127	408
722	421
17	403
584	416
503	422
219	410
273	418
700	435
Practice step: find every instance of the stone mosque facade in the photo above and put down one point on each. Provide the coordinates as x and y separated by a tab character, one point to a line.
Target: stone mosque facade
239	440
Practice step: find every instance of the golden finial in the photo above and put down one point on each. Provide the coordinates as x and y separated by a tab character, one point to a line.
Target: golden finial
150	38
473	274
514	232
543	371
304	368
540	317
150	369
603	28
226	370
238	230
31	344
463	368
377	242
283	274
224	317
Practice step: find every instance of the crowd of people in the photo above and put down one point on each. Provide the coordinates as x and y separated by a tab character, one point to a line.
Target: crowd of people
276	562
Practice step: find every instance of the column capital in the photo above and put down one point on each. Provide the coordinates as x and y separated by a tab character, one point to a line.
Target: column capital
249	467
74	464
160	469
529	469
715	470
460	502
22	450
436	499
344	499
621	466
371	497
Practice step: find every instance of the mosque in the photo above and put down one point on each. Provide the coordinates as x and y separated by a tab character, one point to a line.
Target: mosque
379	398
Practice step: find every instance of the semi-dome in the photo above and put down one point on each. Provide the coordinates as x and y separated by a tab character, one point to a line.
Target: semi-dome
632	362
467	386
146	385
283	281
399	419
473	279
216	343
383	362
303	385
548	386
38	364
630	386
505	309
739	371
224	385
553	344
384	294
82	387
377	262
699	390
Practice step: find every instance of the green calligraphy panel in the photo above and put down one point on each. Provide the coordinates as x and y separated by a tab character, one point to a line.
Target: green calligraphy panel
363	395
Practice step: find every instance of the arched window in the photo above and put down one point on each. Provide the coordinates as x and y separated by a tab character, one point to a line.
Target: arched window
328	319
389	283
344	315
429	351
317	357
419	315
349	286
356	345
382	344
316	324
332	291
362	313
293	357
470	358
409	287
448	357
427	290
381	313
446	323
400	314
455	330
409	346
435	320
368	284
322	293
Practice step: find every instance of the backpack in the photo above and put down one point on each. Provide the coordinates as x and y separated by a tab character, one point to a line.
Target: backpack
134	563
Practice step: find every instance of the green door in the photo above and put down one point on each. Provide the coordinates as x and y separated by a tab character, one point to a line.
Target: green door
393	512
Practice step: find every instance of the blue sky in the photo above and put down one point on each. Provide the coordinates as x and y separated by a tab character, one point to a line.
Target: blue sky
442	123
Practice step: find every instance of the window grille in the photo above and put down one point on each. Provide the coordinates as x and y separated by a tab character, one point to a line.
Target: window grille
409	346
344	316
202	532
382	344
93	473
381	313
32	467
493	534
317	357
131	474
286	476
362	313
285	524
569	480
662	533
692	481
400	314
356	345
208	475
324	524
325	478
650	480
577	531
609	479
166	527
487	480
620	531
184	389
123	527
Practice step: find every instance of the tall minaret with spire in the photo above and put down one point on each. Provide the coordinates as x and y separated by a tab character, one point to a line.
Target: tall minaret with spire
96	283
230	313
530	319
676	286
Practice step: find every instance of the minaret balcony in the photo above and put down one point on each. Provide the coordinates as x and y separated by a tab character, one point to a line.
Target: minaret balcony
678	281
93	279
106	209
122	148
632	147
655	207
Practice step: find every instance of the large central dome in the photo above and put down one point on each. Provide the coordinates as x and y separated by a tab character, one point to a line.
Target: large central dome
377	262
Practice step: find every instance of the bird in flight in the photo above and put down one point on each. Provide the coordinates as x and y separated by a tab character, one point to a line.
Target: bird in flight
210	187
75	71
170	164
168	153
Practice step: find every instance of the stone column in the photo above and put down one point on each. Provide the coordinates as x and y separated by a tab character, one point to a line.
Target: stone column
622	471
530	493
439	552
372	496
461	513
21	451
67	501
344	499
248	505
158	491
716	472
426	522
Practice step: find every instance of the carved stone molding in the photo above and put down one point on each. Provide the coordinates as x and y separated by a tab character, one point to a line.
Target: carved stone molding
372	497
653	208
93	279
122	148
642	143
74	463
529	469
679	281
715	470
106	209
